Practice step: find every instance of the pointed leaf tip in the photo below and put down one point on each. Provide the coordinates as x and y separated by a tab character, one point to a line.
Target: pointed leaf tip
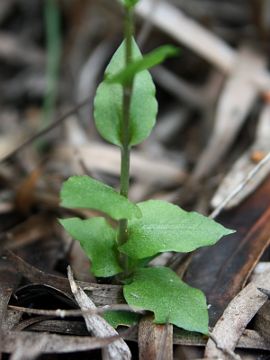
148	61
85	192
166	227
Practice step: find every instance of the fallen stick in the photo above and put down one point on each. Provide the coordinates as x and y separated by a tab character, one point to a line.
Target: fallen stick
235	318
188	32
118	350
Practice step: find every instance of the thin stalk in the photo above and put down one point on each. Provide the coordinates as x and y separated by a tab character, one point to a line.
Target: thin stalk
125	150
53	40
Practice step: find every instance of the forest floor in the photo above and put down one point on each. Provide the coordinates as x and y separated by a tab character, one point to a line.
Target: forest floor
209	152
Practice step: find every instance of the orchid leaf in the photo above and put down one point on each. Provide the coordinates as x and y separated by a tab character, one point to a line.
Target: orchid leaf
166	227
129	3
98	239
161	291
150	60
87	193
108	104
121	318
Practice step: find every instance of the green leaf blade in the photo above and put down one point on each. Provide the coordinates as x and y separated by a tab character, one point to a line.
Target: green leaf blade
98	240
150	60
121	318
109	97
166	227
161	291
85	192
130	3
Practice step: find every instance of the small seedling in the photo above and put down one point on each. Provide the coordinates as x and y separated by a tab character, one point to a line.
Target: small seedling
125	110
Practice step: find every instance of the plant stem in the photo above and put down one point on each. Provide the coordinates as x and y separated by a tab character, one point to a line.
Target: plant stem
125	150
53	39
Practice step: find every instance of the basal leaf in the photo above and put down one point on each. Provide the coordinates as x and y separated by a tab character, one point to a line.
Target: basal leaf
160	290
85	192
98	240
148	61
121	318
166	227
109	99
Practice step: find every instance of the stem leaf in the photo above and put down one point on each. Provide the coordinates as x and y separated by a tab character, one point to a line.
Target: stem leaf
98	239
150	60
86	193
130	3
160	290
108	102
166	227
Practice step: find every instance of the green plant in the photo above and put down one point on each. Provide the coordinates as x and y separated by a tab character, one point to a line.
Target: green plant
125	112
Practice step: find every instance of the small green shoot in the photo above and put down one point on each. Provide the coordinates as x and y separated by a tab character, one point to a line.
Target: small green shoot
108	106
148	61
54	50
129	3
125	110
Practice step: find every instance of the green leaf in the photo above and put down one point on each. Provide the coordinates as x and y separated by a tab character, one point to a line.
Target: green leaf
138	263
160	290
148	61
166	227
109	97
130	3
85	192
98	240
121	318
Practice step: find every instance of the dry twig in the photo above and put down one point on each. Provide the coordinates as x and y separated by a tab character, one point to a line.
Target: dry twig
118	350
241	186
235	318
